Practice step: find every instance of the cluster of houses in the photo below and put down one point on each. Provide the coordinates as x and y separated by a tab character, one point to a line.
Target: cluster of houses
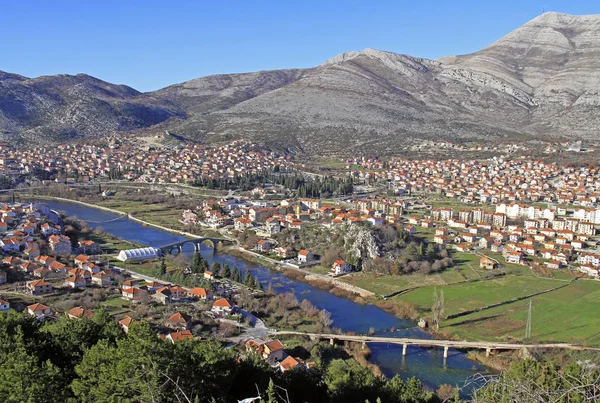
273	353
546	233
494	180
30	229
81	162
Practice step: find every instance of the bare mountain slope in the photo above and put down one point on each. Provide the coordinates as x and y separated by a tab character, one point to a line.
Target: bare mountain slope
64	106
541	79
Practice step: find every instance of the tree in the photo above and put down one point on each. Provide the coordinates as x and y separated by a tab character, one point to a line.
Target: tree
248	279
226	271
196	266
431	251
437	308
215	268
235	274
271	393
24	378
163	267
257	284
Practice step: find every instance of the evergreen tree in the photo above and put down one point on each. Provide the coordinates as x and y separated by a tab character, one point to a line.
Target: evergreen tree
271	393
235	274
226	271
257	284
215	268
248	279
196	263
163	267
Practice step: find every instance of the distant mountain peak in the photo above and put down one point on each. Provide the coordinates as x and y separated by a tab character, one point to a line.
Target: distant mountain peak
540	79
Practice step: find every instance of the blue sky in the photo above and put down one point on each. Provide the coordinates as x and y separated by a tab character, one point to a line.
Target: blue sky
151	44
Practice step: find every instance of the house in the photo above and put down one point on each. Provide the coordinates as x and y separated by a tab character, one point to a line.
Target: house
263	245
89	247
125	323
45	260
80	260
76	282
133	294
208	275
514	257
242	224
102	279
179	321
272	226
57	267
497	247
199	293
41	272
486	242
271	350
39	287
440	239
179	336
4	305
28	267
553	264
464	247
31	253
290	363
60	244
487	263
222	307
284	252
162	296
39	311
339	268
79	312
305	256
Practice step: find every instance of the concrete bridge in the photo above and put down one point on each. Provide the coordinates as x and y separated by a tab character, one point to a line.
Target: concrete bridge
489	347
196	242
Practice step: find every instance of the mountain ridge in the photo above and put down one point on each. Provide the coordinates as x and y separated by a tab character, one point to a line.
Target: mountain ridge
538	80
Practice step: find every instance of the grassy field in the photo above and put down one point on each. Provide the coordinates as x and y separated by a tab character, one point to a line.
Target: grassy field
465	296
569	314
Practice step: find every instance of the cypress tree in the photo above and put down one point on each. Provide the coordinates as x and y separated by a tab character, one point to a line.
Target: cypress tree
226	271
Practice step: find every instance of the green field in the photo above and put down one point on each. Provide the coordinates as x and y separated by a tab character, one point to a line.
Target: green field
569	314
465	296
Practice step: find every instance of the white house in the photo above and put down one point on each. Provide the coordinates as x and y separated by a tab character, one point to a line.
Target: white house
340	267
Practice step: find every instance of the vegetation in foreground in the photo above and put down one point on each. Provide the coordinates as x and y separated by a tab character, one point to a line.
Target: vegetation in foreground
93	360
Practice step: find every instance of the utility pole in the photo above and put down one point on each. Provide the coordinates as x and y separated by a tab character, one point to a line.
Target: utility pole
528	328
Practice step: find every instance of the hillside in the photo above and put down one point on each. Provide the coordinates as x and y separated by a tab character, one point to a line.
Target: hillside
539	80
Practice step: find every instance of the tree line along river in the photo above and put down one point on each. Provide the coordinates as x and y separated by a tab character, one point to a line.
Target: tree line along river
426	364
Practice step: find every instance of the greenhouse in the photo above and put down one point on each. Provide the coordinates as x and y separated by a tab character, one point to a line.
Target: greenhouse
138	254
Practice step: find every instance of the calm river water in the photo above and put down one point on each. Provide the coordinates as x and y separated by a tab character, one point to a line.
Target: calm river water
426	364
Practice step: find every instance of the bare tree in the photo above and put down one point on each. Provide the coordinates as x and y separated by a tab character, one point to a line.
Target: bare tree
437	308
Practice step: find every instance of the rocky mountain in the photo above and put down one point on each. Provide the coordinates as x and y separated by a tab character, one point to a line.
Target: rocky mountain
64	107
539	80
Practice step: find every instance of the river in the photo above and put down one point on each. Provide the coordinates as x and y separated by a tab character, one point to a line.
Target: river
426	364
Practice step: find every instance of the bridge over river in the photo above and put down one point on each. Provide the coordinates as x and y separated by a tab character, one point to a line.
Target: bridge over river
446	344
196	242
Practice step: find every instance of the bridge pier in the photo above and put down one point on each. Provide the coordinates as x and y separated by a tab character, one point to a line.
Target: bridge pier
331	341
445	351
404	348
488	352
196	247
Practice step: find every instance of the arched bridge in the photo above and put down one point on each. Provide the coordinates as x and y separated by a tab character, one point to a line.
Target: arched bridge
196	242
446	344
